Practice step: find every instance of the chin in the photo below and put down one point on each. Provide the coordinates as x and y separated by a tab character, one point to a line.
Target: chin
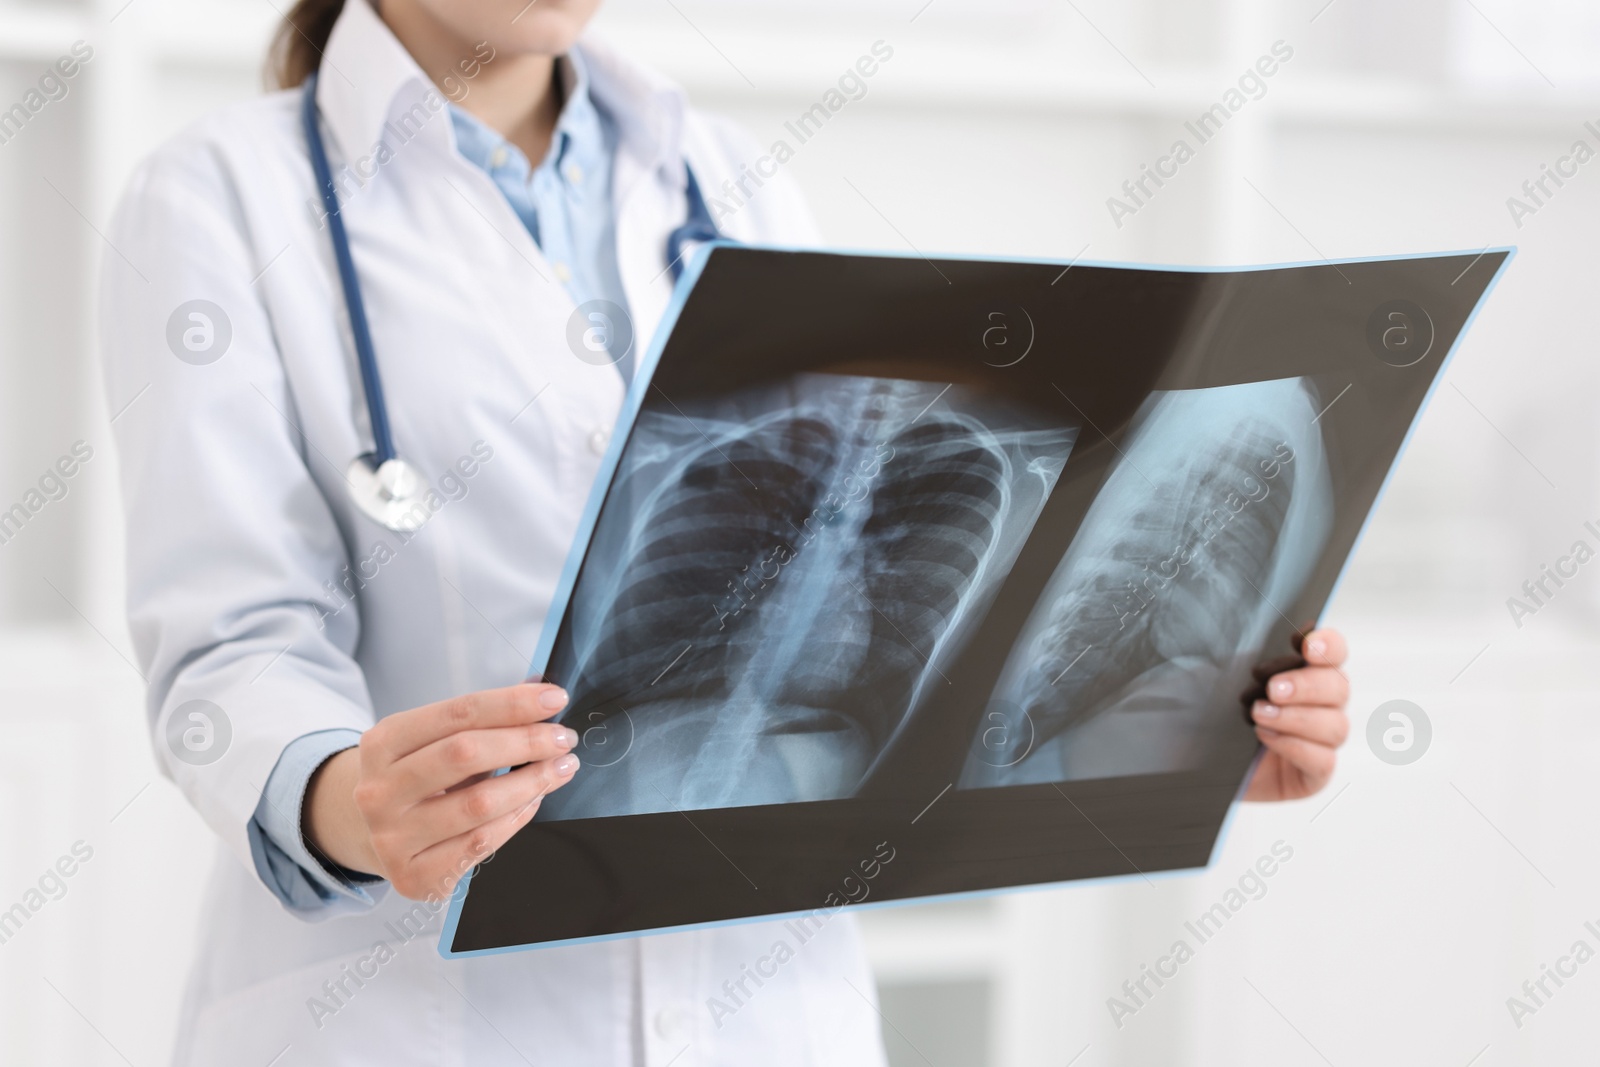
552	34
546	27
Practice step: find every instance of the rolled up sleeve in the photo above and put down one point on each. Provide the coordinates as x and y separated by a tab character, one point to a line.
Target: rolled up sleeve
306	881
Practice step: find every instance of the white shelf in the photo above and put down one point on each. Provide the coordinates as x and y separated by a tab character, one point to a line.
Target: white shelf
930	66
36	32
945	73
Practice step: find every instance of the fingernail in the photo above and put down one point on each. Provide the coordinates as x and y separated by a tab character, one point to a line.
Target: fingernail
566	738
1316	646
554	699
1280	689
1266	732
566	764
1266	711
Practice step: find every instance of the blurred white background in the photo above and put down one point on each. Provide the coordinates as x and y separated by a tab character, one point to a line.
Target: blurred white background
1418	899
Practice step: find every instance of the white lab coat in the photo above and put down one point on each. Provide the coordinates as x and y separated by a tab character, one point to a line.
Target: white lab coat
240	531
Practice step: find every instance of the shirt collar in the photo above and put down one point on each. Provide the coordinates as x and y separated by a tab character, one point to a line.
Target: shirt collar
578	145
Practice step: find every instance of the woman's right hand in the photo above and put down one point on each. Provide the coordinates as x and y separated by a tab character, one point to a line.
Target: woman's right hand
417	802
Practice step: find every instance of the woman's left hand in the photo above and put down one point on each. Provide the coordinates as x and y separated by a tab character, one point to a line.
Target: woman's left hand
1301	720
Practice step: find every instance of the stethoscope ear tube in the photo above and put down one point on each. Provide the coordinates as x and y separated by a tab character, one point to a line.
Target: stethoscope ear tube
377	412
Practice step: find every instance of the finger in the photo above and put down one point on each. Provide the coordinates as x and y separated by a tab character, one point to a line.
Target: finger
1263	671
1314	762
467	783
1325	648
403	733
1309	685
452	814
460	756
1323	726
436	871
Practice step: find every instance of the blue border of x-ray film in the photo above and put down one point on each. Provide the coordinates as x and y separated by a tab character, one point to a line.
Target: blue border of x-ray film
694	266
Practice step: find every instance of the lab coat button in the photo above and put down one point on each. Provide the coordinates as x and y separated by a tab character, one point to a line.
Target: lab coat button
598	441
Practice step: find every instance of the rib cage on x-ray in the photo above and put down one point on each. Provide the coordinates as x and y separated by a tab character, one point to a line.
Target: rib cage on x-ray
774	581
1212	517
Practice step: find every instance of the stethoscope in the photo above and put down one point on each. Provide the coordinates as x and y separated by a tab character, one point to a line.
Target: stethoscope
385	487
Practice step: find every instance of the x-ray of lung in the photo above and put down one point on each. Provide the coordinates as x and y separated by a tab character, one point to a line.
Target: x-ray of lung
777	580
1129	663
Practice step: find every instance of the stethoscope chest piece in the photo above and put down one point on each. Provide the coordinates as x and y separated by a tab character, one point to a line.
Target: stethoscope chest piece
391	494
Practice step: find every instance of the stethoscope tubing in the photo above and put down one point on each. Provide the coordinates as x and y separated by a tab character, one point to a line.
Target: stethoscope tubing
372	385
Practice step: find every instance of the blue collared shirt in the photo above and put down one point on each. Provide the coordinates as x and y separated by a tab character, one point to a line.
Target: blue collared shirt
565	202
566	205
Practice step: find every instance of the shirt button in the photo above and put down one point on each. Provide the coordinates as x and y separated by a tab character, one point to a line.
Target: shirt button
497	158
563	274
598	441
574	174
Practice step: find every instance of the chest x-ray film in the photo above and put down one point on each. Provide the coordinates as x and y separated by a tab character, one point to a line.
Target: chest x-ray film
907	578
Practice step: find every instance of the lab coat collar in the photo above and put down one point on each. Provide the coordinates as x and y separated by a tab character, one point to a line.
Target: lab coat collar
368	79
646	108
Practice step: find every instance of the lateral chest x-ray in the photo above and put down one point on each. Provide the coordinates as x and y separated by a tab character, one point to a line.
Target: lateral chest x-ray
952	562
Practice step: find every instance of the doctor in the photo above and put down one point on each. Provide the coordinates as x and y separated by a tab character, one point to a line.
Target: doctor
346	519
